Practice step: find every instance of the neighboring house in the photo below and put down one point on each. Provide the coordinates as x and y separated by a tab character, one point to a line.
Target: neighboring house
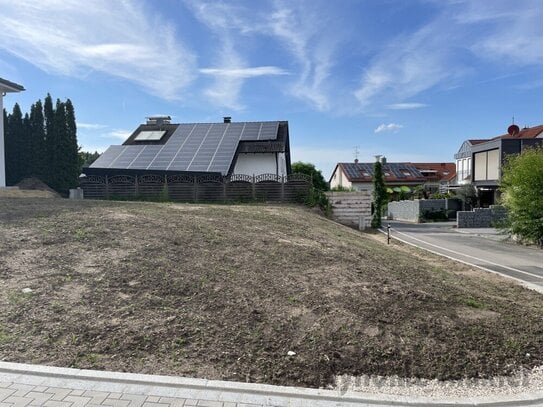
489	156
463	161
5	87
160	147
439	176
359	176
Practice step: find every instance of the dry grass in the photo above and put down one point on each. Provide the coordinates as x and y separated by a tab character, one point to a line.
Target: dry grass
224	292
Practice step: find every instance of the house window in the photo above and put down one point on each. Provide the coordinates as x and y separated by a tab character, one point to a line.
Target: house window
150	135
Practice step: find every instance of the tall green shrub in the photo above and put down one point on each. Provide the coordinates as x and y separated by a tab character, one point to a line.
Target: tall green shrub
379	194
522	191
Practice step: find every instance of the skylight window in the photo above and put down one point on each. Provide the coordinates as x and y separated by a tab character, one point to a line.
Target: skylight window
366	174
150	135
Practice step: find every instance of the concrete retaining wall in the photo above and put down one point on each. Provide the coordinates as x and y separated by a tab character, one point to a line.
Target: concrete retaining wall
411	211
348	207
481	217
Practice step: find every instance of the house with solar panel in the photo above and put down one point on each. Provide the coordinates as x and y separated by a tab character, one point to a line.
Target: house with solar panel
398	177
217	149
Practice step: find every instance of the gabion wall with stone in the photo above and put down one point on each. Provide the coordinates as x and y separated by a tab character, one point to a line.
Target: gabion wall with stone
481	217
351	208
412	211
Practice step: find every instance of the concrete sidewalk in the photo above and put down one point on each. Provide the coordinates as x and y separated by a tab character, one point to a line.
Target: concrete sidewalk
34	385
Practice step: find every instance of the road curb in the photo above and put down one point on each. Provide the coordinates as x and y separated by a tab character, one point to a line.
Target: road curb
234	391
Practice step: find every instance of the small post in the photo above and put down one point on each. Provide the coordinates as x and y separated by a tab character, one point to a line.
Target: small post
388	233
107	187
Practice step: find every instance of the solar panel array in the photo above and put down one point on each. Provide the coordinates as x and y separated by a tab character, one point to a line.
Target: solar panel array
201	147
398	170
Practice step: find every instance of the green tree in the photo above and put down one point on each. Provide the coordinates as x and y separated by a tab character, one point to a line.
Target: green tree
468	195
319	182
13	136
379	194
38	145
522	186
50	143
71	149
87	158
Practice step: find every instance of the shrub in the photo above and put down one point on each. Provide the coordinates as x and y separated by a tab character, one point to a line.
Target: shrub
522	186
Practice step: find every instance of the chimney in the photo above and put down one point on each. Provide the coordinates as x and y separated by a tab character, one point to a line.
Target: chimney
356	160
227	119
159	120
383	160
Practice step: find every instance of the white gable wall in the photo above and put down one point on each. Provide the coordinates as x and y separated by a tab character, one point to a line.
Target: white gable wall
261	163
339	179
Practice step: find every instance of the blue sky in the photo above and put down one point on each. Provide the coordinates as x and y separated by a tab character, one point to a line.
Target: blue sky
407	79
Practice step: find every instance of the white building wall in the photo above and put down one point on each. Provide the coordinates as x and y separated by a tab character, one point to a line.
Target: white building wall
2	153
339	179
261	163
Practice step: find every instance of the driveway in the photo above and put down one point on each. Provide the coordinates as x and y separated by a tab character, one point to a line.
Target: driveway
484	248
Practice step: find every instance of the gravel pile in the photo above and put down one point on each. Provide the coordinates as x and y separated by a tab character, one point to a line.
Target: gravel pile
523	383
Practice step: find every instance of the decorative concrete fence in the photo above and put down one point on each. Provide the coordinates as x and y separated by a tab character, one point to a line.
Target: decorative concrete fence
481	217
207	188
351	208
414	211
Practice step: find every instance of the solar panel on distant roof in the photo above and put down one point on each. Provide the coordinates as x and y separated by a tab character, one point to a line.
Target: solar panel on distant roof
191	147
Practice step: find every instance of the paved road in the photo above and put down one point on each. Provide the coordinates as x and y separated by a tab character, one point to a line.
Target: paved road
484	248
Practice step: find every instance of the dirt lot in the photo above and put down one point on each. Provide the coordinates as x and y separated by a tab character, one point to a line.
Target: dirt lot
224	292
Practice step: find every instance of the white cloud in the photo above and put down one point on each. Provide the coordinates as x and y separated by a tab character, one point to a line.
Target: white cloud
391	127
90	126
406	106
244	72
119	38
222	20
300	28
515	34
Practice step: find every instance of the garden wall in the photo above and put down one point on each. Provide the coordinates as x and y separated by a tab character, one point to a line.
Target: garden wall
412	211
481	217
351	208
191	188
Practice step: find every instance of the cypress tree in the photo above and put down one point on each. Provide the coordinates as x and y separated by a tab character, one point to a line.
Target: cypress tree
71	148
37	137
49	137
56	135
379	194
26	148
13	137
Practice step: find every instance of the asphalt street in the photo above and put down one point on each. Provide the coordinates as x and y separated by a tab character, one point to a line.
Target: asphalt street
485	248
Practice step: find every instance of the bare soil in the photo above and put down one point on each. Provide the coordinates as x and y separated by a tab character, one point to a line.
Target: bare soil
224	292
